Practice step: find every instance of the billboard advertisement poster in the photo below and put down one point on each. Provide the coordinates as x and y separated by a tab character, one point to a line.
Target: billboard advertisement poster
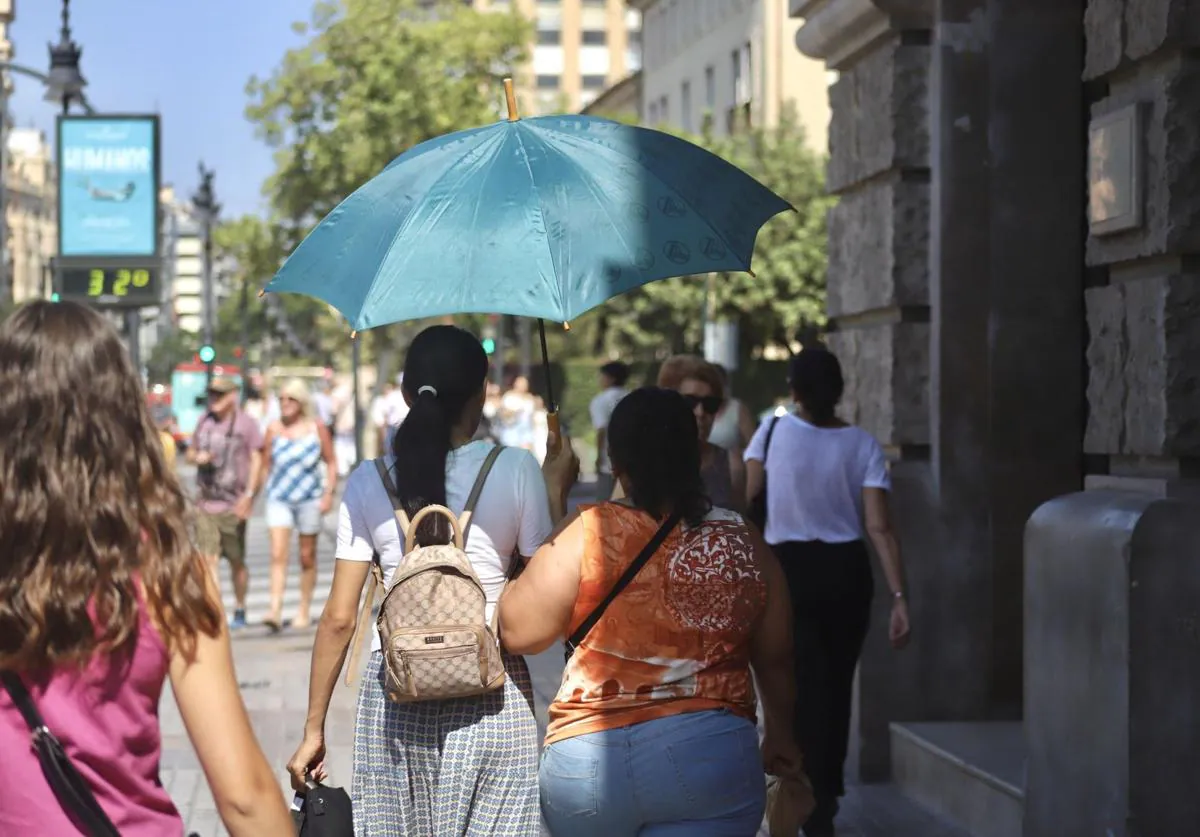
108	186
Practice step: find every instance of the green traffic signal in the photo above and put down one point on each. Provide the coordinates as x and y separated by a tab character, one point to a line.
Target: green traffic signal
207	354
55	297
489	345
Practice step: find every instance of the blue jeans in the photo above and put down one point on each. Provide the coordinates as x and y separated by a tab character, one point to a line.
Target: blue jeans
698	774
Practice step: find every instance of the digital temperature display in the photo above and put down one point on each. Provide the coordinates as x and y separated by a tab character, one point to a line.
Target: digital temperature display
116	286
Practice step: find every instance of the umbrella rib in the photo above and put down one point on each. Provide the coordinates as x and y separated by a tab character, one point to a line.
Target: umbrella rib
574	136
586	178
404	227
555	290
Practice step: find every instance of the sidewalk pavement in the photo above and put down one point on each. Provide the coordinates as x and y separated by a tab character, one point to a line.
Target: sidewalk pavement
273	675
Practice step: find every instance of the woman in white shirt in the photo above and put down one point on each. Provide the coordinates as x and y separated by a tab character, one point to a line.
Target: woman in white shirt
827	479
439	767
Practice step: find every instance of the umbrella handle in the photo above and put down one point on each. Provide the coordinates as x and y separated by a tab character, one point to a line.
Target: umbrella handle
556	435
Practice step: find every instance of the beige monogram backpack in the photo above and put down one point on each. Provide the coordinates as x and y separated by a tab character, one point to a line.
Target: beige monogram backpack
436	638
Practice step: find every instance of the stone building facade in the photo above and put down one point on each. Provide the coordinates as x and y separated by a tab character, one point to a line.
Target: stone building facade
1008	352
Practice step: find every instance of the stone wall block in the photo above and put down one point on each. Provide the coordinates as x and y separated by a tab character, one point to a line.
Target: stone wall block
1170	94
1104	27
880	115
887	380
1143	380
1151	25
879	247
1181	342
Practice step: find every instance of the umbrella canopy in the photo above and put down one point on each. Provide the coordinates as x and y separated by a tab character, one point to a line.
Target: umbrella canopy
545	217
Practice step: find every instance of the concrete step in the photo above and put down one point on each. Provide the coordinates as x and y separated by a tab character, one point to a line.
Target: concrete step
972	773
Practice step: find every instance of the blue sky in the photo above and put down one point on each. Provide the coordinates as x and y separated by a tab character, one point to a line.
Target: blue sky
187	60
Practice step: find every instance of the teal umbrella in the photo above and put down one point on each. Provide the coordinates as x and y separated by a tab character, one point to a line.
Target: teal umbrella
545	218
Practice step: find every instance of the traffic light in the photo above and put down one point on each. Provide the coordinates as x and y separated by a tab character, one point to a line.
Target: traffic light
489	345
54	297
207	354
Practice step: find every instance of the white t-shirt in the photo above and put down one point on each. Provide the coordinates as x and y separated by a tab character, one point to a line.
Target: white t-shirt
513	514
815	478
601	408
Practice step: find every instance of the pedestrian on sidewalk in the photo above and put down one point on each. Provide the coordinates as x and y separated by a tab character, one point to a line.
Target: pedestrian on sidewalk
828	482
652	729
612	389
437	768
703	387
227	452
103	597
302	472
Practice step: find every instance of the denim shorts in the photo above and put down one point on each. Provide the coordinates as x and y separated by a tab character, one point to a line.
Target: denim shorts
699	774
304	517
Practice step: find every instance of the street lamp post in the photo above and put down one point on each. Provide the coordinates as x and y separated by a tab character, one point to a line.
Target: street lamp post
64	84
205	202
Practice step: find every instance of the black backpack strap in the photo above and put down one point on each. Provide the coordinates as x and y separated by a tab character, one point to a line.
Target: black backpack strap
632	570
767	444
70	788
477	489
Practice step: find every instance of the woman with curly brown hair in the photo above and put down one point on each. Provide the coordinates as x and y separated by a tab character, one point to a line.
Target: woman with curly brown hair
102	597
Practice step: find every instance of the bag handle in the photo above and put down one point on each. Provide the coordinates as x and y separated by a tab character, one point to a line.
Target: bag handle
410	535
69	787
377	580
632	570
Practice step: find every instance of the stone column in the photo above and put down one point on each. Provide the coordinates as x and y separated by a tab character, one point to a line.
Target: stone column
878	303
954	287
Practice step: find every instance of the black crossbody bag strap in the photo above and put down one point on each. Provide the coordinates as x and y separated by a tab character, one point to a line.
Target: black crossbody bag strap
632	570
70	788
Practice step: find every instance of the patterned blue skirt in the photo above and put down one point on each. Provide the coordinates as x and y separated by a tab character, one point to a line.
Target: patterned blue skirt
465	767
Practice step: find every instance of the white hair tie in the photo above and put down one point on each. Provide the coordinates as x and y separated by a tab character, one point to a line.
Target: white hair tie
427	389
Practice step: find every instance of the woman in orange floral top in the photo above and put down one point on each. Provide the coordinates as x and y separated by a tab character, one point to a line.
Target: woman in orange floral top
652	731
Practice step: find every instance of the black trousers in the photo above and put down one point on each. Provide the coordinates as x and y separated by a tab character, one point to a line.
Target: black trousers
831	588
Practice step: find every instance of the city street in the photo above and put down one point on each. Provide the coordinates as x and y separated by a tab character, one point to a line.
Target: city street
273	672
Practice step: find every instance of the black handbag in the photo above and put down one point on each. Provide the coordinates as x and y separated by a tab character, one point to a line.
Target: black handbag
632	570
71	789
757	511
322	812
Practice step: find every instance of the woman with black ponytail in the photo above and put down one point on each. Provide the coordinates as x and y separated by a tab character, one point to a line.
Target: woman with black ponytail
828	482
438	767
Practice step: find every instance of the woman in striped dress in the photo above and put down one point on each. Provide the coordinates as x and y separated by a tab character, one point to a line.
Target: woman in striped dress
301	471
461	767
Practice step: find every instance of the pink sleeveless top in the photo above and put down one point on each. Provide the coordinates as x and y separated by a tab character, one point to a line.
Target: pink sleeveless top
106	716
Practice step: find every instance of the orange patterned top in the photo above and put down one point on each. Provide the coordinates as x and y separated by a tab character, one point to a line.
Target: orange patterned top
676	640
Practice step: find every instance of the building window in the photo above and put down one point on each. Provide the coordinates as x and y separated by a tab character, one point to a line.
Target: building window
685	106
548	82
594	37
652	116
664	109
742	81
549	37
594	82
710	88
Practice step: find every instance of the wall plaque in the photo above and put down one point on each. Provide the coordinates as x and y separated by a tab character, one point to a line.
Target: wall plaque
1115	171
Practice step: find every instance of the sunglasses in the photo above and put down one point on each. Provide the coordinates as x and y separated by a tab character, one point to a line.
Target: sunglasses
709	403
216	393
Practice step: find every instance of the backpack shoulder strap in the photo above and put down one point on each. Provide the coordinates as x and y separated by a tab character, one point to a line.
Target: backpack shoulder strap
477	489
767	441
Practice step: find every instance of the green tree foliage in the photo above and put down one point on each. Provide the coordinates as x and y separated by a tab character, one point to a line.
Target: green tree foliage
787	292
376	78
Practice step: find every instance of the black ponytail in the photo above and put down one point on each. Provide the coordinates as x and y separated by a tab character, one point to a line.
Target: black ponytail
444	374
817	383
